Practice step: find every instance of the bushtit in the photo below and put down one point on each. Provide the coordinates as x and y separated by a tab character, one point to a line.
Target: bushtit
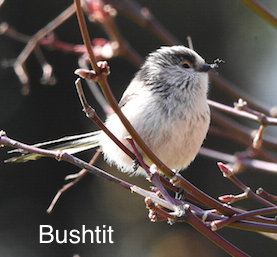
166	103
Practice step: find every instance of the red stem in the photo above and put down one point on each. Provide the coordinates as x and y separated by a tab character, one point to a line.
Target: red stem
214	237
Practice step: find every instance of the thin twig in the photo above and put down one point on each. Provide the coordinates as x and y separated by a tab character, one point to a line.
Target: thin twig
19	62
63	156
201	196
102	80
85	35
214	237
228	173
262	11
153	176
59	156
216	225
266	195
234	91
77	177
90	112
143	17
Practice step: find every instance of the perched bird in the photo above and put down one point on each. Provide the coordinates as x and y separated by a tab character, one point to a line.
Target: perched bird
166	103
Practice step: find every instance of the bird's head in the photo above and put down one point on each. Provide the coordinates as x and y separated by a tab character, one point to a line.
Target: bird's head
173	68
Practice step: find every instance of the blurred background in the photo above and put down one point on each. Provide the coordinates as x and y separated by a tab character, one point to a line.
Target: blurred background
219	29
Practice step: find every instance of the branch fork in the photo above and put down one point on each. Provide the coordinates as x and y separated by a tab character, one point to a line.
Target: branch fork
104	70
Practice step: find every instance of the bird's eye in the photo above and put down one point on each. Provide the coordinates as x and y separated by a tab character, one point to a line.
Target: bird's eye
186	65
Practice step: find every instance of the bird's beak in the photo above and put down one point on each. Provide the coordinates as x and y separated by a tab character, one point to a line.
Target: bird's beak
206	67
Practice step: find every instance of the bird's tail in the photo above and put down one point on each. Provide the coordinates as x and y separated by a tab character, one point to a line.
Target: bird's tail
69	144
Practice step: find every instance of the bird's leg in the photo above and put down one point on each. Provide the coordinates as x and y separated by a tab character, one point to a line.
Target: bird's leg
136	164
154	177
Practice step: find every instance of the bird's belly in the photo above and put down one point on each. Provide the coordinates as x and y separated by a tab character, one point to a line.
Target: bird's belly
181	143
177	135
175	142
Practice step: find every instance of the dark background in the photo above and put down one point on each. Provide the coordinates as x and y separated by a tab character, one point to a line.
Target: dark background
224	29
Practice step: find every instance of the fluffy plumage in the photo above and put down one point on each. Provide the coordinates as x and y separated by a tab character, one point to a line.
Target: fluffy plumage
166	103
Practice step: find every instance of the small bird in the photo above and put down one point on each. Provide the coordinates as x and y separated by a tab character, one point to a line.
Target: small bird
166	103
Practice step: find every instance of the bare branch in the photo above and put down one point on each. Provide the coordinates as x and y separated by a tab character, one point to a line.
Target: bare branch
248	193
77	177
262	11
216	225
20	61
214	237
